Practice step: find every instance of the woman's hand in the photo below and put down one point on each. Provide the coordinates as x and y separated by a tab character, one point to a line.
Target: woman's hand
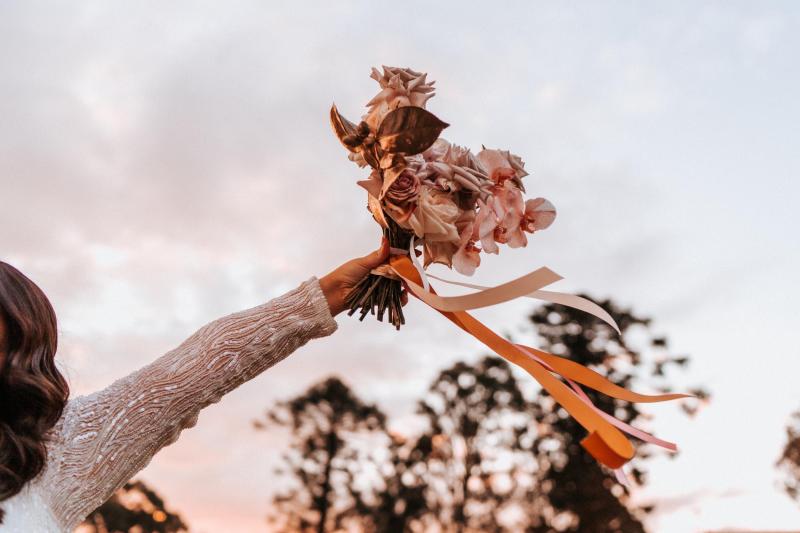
338	284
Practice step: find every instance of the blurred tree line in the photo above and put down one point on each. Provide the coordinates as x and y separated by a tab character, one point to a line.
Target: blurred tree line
135	508
489	459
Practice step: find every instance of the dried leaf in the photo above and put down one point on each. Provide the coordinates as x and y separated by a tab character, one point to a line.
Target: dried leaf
375	208
390	160
389	177
373	184
409	130
370	155
343	128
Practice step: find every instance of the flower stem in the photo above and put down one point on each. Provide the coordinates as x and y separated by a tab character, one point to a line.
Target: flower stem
378	294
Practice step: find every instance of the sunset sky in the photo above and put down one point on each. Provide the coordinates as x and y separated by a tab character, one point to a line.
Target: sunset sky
166	163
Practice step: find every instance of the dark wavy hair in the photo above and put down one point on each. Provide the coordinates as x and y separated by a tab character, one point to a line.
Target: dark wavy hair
33	392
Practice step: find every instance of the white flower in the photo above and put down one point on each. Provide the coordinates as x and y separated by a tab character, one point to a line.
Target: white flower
435	216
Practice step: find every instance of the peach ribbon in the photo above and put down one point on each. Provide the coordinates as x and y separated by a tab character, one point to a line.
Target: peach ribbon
605	441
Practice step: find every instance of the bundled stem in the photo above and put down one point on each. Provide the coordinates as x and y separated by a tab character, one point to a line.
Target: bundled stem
378	294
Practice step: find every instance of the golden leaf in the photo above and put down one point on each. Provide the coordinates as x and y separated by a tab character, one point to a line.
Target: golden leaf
345	130
370	155
376	209
409	130
389	160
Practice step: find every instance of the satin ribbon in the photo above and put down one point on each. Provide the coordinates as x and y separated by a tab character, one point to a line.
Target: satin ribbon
569	300
605	441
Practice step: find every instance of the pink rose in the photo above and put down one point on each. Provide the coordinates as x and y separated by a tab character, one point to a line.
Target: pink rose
404	189
400	87
400	198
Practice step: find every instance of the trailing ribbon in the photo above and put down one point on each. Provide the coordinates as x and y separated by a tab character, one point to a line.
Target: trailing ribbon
606	441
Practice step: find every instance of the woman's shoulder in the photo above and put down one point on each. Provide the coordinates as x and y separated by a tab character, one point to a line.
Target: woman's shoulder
63	440
65	430
81	409
66	413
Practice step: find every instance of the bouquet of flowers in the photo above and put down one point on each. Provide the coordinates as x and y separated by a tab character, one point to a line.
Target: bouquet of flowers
424	190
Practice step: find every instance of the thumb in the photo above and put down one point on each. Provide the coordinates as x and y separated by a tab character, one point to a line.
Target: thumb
376	258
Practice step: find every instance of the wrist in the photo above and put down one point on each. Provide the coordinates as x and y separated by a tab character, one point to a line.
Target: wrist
332	294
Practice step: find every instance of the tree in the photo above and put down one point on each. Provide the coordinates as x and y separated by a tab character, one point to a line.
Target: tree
490	459
135	508
476	455
397	500
322	459
790	459
581	495
466	468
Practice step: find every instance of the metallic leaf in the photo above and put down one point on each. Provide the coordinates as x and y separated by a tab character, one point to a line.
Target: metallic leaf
370	155
346	131
409	130
390	160
374	205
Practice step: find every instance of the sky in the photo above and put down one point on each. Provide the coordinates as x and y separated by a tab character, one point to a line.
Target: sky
165	164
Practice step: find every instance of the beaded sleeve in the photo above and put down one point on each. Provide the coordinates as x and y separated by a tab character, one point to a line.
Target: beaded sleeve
105	438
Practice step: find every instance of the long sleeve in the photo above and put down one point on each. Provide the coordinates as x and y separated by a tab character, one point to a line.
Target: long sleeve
105	438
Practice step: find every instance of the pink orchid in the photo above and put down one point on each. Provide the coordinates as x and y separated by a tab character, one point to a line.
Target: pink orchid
502	165
539	214
513	209
499	219
467	258
486	221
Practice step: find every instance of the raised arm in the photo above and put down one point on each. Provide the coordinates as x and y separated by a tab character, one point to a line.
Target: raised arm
107	437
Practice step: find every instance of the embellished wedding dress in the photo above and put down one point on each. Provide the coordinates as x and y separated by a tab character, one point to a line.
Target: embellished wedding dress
105	438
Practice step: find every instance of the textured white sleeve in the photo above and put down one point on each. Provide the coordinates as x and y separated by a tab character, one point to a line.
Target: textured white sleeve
105	438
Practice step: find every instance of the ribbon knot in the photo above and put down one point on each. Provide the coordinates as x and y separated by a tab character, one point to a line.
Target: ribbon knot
386	270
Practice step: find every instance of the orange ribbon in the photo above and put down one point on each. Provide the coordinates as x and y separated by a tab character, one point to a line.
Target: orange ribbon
605	442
